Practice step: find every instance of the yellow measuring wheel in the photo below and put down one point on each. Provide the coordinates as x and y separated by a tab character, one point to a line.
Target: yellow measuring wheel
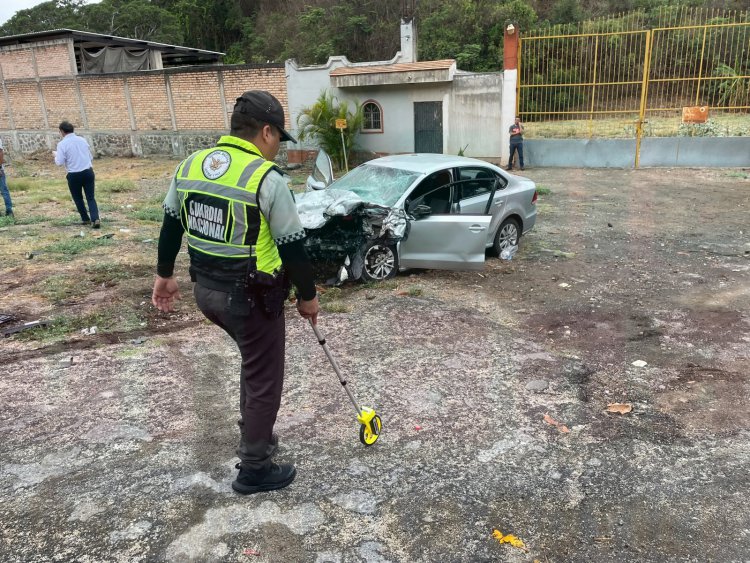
370	423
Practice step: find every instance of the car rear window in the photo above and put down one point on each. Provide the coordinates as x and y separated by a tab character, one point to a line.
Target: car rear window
377	184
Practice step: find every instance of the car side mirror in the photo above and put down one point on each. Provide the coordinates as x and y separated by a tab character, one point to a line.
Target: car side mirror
314	185
421	210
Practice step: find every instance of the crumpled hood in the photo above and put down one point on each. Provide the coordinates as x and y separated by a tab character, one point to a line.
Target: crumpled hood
315	208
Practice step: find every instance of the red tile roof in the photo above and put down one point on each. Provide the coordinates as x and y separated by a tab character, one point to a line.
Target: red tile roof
400	67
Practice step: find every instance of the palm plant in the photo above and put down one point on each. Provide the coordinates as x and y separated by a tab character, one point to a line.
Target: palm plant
318	123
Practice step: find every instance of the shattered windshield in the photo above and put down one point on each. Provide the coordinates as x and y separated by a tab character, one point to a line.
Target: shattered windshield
377	184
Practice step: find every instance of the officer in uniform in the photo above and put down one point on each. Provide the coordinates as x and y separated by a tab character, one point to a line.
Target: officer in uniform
245	242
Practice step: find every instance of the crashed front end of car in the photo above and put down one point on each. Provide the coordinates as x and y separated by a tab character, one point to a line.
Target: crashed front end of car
341	226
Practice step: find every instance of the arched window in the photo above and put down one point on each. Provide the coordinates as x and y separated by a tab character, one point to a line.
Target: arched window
373	114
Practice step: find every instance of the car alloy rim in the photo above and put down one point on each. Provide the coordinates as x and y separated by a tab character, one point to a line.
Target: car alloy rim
508	236
379	261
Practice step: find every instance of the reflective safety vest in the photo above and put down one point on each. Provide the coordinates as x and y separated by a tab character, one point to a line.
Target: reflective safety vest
218	189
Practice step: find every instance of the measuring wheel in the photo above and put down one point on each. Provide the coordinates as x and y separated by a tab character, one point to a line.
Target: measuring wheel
370	427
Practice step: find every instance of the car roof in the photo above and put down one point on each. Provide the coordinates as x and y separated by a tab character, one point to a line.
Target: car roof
424	163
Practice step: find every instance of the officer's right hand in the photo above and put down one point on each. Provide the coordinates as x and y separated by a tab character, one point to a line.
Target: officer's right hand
164	294
309	309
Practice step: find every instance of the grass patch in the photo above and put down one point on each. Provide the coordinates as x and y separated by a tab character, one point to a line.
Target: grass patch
415	291
542	190
111	273
67	222
116	186
22	184
31	219
59	287
43	197
75	245
740	175
156	199
108	207
113	319
722	125
336	306
387	285
153	214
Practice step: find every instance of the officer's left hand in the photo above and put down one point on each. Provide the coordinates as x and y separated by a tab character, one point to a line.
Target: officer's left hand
309	309
164	294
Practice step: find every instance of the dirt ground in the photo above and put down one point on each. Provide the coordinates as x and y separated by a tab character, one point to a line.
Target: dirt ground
493	388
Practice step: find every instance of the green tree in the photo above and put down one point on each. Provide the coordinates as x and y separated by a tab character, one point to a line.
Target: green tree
54	14
318	123
136	19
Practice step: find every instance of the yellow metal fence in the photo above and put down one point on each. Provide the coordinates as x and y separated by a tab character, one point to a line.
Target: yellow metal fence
635	83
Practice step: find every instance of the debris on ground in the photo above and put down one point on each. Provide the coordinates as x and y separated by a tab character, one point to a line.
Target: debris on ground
559	425
509	538
621	408
25	326
639	364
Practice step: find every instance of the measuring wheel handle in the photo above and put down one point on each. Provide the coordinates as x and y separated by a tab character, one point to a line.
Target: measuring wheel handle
370	428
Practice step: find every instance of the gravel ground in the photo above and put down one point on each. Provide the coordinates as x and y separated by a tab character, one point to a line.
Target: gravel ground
492	386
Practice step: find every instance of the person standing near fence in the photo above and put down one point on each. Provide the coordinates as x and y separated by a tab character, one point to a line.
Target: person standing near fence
516	143
4	184
74	153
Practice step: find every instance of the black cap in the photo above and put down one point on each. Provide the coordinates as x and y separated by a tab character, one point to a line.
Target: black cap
264	107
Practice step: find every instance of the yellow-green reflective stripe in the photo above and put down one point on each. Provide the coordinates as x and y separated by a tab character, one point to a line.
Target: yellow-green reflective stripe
186	166
218	190
239	228
249	171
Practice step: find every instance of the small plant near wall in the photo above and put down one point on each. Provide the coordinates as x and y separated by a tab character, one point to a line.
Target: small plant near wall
318	124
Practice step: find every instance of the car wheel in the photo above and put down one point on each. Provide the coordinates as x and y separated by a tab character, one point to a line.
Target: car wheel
507	235
380	261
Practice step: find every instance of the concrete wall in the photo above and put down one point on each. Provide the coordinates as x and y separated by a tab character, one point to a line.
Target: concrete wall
170	111
475	116
655	151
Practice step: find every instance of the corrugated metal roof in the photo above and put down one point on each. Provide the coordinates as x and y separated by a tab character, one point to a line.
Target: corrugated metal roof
400	67
104	39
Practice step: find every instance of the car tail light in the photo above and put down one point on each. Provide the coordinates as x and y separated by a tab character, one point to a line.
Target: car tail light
536	196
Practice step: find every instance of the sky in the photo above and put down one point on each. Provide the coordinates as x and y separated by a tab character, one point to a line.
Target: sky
10	7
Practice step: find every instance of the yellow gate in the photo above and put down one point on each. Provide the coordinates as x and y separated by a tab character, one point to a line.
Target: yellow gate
631	84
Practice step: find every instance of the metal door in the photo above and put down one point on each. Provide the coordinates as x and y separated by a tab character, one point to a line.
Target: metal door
428	127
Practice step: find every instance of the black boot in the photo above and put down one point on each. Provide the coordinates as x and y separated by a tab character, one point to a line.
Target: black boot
269	479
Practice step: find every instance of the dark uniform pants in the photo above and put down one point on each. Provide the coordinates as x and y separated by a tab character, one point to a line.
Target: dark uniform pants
261	342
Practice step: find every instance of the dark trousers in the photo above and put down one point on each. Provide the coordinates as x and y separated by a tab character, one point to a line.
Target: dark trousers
516	147
80	183
261	342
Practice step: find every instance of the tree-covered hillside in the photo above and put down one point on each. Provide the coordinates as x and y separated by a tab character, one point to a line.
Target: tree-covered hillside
255	31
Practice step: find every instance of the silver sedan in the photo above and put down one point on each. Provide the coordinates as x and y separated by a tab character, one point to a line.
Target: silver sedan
455	208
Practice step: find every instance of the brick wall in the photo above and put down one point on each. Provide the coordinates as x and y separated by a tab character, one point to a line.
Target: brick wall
50	58
25	105
61	101
197	103
17	64
148	95
4	119
138	105
237	81
104	102
53	60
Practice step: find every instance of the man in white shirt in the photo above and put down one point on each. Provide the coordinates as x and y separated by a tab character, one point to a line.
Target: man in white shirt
74	153
4	185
